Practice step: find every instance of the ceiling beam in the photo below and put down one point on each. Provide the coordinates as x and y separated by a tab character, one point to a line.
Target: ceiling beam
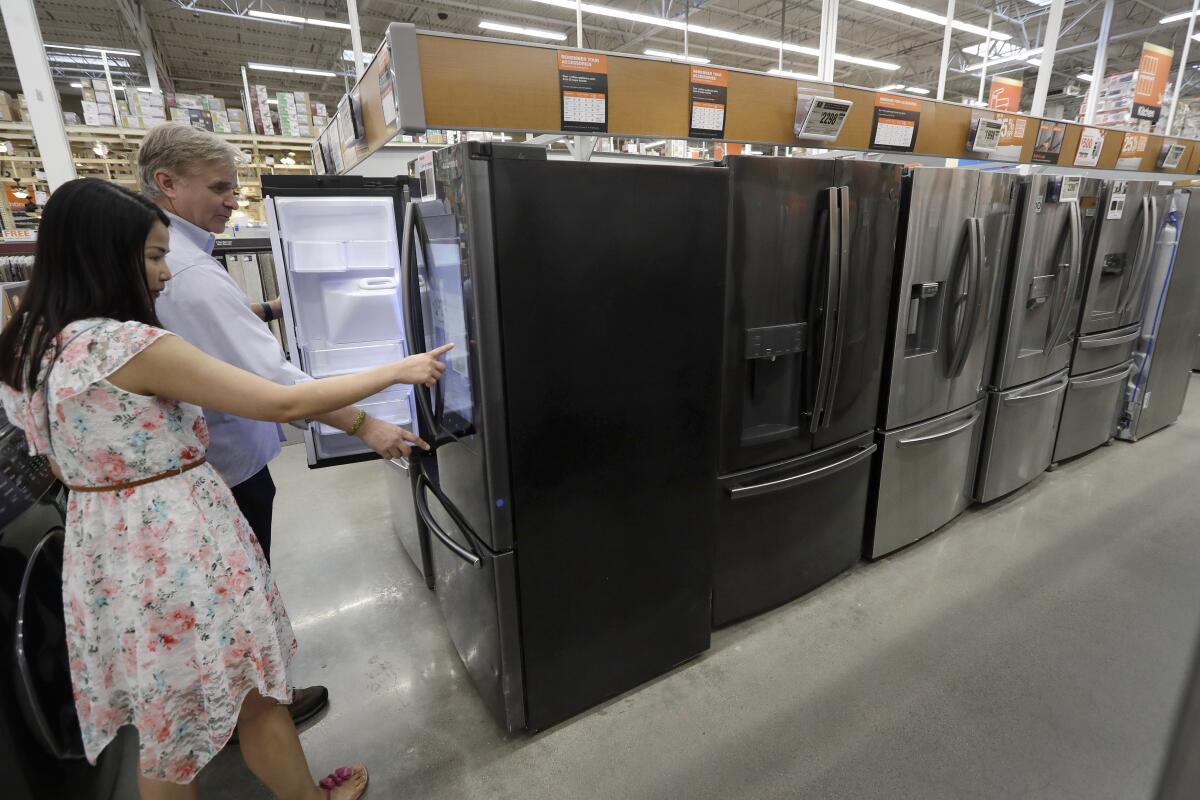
156	68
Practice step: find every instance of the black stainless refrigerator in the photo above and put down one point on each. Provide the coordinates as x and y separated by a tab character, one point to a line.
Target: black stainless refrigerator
575	428
811	246
1040	313
1130	218
954	256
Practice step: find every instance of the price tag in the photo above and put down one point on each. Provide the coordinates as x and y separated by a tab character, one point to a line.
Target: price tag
986	135
1070	188
20	235
820	117
1116	200
1172	154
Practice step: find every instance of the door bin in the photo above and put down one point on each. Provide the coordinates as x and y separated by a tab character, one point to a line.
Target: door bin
1018	441
1089	417
926	477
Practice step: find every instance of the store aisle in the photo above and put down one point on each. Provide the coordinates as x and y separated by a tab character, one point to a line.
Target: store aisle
1034	649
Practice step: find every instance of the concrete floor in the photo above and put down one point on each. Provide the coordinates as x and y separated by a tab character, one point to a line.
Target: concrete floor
1034	648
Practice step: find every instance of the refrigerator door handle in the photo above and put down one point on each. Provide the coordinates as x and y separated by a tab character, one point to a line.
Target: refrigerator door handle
1092	344
412	312
826	351
933	437
1074	277
839	326
422	503
974	297
742	492
1022	397
1144	258
1093	383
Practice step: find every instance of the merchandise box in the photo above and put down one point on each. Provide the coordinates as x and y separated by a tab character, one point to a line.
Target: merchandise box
70	118
100	83
102	96
179	114
89	94
189	101
90	107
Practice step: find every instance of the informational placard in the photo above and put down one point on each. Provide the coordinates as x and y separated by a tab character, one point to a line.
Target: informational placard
1091	142
709	95
1012	138
583	91
1048	146
1116	200
820	117
318	158
984	136
1005	94
1069	191
345	123
895	124
20	235
1133	150
1170	155
387	86
1153	70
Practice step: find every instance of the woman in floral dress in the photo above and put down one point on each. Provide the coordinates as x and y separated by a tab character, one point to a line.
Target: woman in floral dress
174	624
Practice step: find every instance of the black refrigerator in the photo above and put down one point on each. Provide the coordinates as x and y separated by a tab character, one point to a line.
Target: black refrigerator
809	276
575	428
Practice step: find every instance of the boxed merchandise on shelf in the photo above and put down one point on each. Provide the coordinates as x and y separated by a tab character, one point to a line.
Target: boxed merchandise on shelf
7	109
237	121
261	111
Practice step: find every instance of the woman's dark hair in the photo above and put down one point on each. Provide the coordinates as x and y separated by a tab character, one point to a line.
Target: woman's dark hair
90	262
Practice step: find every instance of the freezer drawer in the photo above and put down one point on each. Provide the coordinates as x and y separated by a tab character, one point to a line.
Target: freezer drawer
1089	416
787	528
1105	350
1018	440
412	533
926	477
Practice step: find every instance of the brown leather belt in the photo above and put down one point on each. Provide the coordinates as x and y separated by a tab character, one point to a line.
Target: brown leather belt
117	487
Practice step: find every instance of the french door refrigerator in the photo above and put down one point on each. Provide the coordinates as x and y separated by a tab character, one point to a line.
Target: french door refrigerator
575	428
338	241
1131	216
810	266
1040	312
954	256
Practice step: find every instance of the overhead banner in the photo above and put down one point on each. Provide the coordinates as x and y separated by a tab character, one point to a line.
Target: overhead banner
709	93
1153	71
583	91
895	124
1005	94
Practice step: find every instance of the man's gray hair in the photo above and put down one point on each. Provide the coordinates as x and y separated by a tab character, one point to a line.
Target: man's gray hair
179	149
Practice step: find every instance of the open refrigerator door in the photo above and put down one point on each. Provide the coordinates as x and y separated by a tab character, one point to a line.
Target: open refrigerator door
342	299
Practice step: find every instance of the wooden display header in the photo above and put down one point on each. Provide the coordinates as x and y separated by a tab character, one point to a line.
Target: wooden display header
466	83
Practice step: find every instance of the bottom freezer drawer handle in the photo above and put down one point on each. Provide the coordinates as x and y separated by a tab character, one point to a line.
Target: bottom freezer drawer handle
740	492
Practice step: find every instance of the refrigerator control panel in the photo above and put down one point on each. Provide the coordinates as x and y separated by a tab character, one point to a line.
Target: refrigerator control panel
775	340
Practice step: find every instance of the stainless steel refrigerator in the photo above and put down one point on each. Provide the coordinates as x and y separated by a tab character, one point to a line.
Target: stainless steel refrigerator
1040	313
954	255
810	264
1130	217
575	428
1171	322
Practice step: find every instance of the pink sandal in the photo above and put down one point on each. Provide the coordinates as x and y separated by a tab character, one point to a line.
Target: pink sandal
336	779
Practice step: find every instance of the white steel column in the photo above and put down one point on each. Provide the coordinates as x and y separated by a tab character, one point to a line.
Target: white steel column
579	24
355	37
829	20
1049	48
1179	73
941	94
987	51
1101	63
112	90
25	38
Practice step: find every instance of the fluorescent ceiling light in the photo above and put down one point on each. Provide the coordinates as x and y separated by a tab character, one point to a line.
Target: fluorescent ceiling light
324	23
76	85
1084	76
292	70
348	55
1180	17
891	87
937	19
1037	62
676	56
85	60
716	33
799	76
1019	55
113	51
916	90
145	89
537	33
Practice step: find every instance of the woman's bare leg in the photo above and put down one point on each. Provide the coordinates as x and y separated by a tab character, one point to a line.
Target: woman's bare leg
149	789
273	753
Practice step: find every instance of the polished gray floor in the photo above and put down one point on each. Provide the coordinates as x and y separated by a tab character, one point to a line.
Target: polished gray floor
1032	649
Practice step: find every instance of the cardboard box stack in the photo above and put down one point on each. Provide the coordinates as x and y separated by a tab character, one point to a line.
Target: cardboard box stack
145	109
24	107
320	118
98	108
261	111
8	110
237	121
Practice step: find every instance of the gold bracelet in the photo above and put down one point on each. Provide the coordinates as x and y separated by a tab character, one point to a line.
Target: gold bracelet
358	422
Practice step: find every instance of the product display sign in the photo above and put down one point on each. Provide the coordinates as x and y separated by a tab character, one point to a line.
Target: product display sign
895	124
1005	94
1048	146
1069	190
1152	73
318	159
583	91
709	89
1170	155
1116	200
1091	142
820	117
387	86
984	136
1133	150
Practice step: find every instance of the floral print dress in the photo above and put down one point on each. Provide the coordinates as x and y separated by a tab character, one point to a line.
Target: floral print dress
172	615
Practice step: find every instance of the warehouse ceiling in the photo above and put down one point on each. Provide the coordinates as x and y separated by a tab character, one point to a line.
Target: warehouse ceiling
201	45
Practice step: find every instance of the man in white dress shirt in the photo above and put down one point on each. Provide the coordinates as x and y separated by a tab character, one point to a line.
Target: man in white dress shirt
192	175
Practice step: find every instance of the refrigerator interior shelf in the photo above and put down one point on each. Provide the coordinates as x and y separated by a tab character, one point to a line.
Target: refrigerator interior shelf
396	409
329	361
340	256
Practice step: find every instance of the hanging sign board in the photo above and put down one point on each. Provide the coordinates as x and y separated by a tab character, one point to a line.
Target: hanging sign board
984	136
709	95
895	124
1153	71
583	91
1170	155
820	117
1005	94
1091	142
1133	150
1048	145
